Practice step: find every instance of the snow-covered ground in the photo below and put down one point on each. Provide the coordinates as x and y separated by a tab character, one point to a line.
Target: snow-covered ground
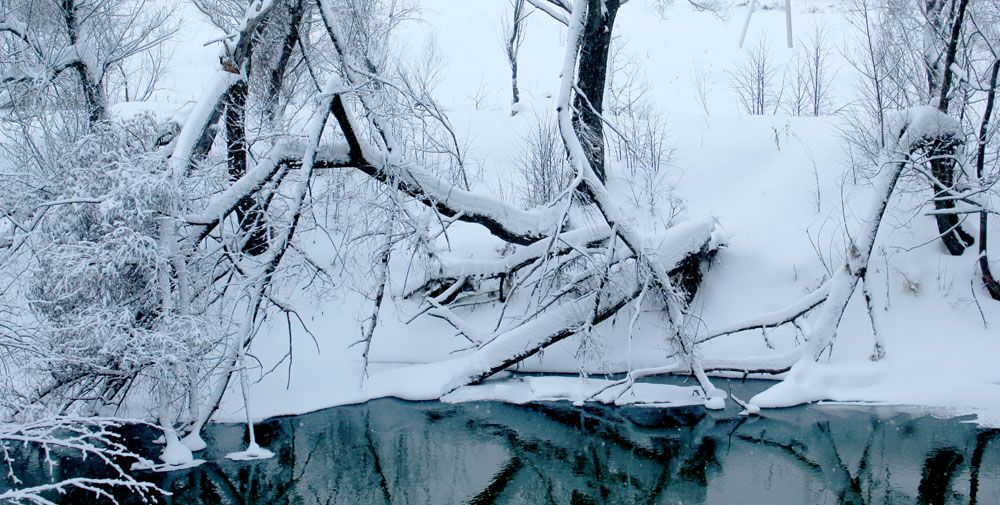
780	187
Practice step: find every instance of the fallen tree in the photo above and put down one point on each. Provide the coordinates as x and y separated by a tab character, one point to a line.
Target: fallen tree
916	133
574	263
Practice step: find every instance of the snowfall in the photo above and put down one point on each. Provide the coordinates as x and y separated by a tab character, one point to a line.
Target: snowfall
780	188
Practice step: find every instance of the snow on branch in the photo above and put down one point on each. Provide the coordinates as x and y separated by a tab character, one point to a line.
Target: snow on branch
556	323
909	128
578	238
94	438
508	223
556	9
225	203
199	122
776	318
522	227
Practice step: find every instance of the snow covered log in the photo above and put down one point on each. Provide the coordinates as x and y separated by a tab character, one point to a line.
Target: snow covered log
683	246
686	243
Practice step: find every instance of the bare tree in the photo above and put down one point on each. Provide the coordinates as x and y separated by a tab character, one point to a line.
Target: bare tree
943	173
818	70
754	80
910	59
591	72
916	134
992	284
513	30
88	39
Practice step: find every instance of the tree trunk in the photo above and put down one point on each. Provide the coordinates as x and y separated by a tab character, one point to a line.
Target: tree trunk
591	77
943	155
991	282
295	12
248	213
513	47
93	93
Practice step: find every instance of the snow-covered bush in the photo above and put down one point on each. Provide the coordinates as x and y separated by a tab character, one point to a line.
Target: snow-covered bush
103	251
96	289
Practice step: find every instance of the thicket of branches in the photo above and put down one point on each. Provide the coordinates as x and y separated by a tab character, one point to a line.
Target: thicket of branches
142	256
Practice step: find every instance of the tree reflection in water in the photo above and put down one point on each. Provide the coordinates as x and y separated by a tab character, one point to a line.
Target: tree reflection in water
390	451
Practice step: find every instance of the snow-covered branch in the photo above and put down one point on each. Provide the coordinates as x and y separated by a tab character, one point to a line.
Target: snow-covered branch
910	130
94	438
776	318
556	9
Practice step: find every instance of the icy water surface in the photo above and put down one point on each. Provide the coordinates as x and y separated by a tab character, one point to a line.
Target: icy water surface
390	451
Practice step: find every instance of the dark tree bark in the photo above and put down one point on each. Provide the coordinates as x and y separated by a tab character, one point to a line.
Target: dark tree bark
233	63
943	163
248	212
942	156
992	284
211	129
93	93
591	78
277	75
513	47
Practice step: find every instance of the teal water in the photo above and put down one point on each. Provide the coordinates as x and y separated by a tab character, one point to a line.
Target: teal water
390	451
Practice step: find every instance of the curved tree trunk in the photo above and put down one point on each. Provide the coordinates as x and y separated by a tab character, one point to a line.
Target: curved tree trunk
943	161
93	92
591	77
943	154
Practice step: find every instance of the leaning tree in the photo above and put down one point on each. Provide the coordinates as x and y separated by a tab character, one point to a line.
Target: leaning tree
574	262
306	107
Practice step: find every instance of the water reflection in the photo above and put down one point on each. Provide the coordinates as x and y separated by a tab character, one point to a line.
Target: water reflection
390	451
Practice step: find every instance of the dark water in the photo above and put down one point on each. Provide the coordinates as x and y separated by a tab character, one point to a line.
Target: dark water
389	451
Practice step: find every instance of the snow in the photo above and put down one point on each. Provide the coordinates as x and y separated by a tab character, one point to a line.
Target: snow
910	125
174	452
775	189
578	390
253	452
199	116
536	222
176	455
194	442
456	264
776	186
